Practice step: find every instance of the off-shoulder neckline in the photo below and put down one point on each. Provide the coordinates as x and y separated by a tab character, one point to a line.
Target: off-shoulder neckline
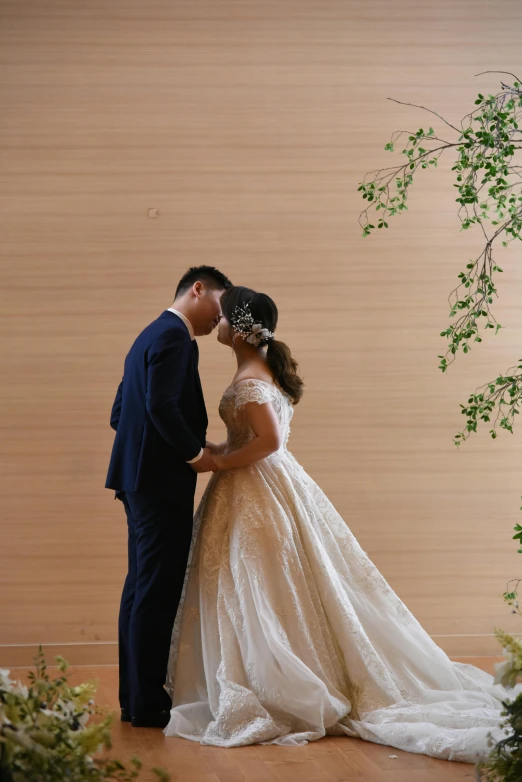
233	386
253	380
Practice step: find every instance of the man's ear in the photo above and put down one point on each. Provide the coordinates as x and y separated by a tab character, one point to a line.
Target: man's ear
198	289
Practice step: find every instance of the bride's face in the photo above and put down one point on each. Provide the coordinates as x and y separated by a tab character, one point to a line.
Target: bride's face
225	332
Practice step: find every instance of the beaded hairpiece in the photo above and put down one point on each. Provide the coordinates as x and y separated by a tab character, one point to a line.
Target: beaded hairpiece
243	322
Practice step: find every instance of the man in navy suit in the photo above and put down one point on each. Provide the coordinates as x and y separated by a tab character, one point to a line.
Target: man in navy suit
160	421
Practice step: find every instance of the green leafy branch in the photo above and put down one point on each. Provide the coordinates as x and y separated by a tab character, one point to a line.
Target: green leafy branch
499	399
489	191
488	182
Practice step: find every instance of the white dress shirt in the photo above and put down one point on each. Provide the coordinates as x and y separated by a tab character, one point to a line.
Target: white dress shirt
185	320
190	330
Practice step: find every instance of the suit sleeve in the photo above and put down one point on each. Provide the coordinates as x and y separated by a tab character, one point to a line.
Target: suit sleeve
169	359
116	408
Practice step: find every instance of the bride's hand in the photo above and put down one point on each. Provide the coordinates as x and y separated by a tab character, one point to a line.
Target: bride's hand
212	447
218	461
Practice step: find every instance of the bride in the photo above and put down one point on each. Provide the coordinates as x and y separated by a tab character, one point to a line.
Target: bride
287	631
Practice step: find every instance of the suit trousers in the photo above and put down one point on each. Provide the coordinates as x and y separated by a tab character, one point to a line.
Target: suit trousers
160	532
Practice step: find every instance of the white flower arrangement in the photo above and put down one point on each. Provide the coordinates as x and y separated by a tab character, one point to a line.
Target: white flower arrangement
45	736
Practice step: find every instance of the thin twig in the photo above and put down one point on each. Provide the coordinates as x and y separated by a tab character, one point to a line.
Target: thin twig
508	73
416	106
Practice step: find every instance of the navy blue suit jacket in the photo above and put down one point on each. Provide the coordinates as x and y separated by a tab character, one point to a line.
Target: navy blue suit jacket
159	412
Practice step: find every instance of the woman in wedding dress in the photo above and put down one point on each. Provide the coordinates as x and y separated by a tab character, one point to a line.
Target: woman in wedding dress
287	632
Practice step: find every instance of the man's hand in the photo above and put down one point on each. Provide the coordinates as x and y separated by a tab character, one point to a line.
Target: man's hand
205	464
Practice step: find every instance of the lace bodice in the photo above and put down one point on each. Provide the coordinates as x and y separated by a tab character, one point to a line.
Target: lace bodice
231	410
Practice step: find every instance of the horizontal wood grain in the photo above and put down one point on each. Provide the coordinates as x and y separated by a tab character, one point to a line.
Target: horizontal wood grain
247	125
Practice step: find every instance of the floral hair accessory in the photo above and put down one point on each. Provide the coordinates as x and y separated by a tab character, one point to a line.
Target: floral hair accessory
243	322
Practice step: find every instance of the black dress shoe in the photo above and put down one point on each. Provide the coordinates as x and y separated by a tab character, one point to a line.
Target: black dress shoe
158	719
125	715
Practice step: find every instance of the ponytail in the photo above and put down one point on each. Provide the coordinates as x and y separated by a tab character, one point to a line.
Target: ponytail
284	369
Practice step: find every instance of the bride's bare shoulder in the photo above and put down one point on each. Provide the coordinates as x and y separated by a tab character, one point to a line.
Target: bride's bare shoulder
254	373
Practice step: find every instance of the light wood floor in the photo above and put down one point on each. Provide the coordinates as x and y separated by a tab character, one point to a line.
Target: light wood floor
328	760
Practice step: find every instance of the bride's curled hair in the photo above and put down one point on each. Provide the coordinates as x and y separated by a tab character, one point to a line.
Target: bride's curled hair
264	311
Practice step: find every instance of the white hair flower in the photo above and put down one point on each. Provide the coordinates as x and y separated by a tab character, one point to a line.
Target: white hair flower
258	335
243	323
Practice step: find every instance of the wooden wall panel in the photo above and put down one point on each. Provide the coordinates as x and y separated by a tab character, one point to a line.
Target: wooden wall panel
247	125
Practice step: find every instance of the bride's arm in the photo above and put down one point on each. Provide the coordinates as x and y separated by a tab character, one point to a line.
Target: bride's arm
267	438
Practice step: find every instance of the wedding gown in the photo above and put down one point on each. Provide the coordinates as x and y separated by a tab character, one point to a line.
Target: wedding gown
287	631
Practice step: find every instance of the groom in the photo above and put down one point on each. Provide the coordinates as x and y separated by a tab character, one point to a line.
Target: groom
160	421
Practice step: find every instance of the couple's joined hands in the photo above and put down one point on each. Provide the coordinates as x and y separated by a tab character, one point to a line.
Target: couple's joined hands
207	462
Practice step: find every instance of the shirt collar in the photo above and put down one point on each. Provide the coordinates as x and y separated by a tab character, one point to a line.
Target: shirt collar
185	320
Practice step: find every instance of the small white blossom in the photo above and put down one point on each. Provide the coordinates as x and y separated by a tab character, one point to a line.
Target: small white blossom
83	719
20	689
4	719
5	680
506	673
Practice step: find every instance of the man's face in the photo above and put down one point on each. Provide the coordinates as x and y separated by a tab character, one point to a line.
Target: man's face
208	310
